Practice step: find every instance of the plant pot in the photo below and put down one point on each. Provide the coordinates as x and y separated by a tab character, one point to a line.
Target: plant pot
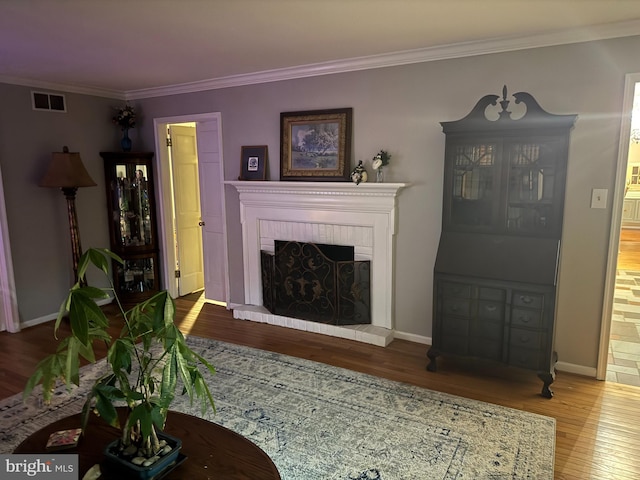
115	464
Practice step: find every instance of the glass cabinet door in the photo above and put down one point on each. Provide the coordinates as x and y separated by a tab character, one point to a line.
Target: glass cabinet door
132	207
475	186
132	224
531	187
136	275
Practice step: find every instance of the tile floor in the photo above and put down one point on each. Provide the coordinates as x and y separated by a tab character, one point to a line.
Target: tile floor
624	347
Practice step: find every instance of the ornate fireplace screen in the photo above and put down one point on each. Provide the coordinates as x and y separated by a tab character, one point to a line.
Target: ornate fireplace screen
321	283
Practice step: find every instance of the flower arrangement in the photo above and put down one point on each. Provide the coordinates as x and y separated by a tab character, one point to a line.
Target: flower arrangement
381	159
125	117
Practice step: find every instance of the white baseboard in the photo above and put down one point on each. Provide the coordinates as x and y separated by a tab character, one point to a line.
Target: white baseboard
52	316
37	321
577	369
560	366
412	337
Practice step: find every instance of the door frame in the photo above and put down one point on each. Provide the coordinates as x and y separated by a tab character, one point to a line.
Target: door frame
166	199
616	222
8	298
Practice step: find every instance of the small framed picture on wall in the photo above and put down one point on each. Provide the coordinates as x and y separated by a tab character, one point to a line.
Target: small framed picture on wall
253	163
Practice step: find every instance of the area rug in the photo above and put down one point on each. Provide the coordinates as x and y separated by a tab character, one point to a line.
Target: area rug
321	422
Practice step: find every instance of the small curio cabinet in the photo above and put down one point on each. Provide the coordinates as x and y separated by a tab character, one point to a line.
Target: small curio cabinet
132	223
496	267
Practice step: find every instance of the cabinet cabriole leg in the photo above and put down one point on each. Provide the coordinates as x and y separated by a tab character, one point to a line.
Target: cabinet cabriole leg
547	378
432	355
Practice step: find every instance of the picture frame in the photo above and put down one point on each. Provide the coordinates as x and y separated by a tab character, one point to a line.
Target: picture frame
253	162
315	145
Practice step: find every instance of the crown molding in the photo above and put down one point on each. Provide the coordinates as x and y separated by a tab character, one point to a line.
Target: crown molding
421	55
60	87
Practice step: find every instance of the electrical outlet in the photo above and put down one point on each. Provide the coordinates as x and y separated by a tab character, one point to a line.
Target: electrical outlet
599	198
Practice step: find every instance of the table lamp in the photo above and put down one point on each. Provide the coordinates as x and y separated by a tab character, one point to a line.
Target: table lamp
66	172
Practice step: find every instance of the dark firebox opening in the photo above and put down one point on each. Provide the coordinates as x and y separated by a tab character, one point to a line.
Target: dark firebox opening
317	282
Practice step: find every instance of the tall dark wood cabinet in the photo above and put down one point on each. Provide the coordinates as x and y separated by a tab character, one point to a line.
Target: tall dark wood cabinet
496	268
132	223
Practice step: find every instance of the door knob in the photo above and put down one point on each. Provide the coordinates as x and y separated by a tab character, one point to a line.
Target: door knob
201	224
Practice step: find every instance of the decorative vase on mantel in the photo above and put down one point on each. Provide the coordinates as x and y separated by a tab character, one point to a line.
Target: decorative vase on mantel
380	161
125	143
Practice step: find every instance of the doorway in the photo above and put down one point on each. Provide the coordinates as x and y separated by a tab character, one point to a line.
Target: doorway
187	215
619	358
191	217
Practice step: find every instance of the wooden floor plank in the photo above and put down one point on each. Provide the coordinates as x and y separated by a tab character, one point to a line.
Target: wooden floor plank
597	427
629	249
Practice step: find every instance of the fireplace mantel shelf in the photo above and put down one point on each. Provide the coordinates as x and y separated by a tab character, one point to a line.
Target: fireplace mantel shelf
318	188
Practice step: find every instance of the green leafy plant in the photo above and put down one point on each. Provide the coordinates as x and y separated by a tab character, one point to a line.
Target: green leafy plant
147	361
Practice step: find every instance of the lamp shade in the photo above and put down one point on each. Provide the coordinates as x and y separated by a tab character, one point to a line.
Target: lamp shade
66	170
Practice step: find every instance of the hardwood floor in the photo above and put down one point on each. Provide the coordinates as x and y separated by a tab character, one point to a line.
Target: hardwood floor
597	431
629	249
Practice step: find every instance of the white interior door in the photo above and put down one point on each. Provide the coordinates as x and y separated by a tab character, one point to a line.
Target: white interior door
212	209
184	159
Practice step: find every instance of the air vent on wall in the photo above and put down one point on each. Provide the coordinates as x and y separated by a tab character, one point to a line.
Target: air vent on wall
52	102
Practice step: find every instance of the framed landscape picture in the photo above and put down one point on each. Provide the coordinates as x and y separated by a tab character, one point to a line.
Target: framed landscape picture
253	163
316	145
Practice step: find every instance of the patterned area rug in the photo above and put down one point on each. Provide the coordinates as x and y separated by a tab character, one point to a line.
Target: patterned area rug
321	422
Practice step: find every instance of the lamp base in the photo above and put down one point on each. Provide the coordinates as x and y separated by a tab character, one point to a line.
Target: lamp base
74	232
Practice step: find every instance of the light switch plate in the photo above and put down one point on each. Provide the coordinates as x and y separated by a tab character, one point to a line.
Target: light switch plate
599	198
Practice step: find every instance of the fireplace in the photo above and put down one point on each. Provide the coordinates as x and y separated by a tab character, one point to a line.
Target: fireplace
317	282
339	213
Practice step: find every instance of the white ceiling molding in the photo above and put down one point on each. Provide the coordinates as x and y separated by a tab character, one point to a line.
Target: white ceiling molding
58	87
444	52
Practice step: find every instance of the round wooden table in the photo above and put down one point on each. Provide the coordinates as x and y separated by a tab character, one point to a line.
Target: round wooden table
212	451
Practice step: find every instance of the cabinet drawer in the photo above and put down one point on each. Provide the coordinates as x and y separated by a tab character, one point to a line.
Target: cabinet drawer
456	306
497	294
523	358
528	300
456	345
490	310
455	326
526	318
491	350
486	330
459	290
521	338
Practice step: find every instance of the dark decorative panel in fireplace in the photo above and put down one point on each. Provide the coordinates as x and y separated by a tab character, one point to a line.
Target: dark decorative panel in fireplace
321	283
266	262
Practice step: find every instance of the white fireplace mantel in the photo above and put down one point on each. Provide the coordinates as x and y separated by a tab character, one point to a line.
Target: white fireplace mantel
340	213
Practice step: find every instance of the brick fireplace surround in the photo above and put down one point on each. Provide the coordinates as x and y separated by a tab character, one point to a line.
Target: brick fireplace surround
337	213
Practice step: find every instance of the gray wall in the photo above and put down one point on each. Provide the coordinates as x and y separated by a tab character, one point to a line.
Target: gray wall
398	109
37	217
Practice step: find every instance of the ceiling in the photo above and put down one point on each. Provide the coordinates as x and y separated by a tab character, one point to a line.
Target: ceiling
128	47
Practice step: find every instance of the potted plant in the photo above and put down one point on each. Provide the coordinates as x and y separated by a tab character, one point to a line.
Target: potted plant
145	362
